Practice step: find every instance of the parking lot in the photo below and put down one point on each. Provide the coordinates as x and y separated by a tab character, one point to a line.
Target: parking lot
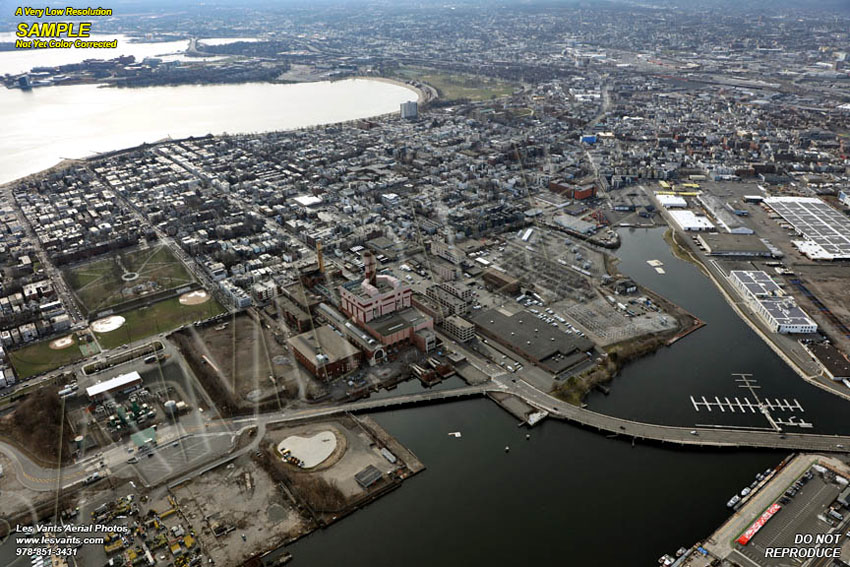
799	515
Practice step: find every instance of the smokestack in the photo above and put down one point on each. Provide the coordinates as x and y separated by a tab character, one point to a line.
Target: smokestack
370	267
320	258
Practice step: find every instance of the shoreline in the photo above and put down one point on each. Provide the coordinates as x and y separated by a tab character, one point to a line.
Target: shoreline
765	338
419	92
66	162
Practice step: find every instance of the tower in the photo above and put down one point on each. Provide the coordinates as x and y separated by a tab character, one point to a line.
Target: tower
370	266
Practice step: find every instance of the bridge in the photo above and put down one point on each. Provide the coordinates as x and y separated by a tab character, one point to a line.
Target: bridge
418	398
700	436
40	478
733	437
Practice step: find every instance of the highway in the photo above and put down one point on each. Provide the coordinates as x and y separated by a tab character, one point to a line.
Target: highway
705	437
202	447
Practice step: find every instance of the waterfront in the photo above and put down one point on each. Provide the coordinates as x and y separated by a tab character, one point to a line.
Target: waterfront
46	125
557	496
702	364
23	60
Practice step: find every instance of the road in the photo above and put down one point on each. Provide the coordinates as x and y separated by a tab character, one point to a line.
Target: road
190	450
186	449
685	436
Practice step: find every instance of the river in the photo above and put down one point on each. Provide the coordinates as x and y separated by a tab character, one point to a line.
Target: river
568	495
565	495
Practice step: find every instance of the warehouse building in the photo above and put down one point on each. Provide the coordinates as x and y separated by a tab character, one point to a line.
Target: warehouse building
691	222
826	230
766	298
110	388
671	201
549	348
324	353
734	245
832	360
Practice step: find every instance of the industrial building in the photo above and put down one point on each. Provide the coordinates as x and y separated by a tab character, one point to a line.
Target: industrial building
113	386
691	222
671	201
826	230
552	349
374	296
407	326
325	353
372	349
726	244
766	298
831	359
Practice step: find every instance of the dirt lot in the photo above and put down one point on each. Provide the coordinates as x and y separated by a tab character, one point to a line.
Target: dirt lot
243	496
360	451
829	284
35	425
248	365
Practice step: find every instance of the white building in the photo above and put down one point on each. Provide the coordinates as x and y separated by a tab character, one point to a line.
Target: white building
690	222
768	300
671	201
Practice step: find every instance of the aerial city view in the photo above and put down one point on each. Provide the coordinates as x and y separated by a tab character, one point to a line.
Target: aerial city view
385	282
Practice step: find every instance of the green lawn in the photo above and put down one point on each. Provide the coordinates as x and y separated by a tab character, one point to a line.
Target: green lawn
158	318
454	86
98	285
39	357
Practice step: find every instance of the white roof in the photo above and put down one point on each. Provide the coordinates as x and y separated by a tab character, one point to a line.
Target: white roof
307	200
668	201
113	383
687	220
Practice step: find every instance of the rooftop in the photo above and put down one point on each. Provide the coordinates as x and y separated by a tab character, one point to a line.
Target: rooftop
324	341
553	348
397	321
113	383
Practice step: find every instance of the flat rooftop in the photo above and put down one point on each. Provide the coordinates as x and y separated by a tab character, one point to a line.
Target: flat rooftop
758	283
785	311
397	321
826	229
742	244
832	358
551	347
326	340
113	383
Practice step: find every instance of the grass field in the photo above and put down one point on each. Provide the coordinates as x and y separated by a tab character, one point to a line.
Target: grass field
458	86
39	357
99	284
160	317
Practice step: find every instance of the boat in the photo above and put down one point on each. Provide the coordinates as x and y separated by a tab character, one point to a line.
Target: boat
455	434
507	448
735	499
